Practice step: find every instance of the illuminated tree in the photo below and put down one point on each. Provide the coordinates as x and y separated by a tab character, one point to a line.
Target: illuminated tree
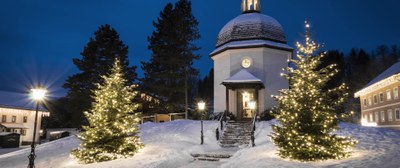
113	123
306	114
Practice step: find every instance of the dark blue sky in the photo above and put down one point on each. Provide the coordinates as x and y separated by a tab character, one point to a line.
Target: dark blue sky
38	39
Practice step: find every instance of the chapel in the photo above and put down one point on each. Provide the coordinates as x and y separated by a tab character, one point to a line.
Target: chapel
251	53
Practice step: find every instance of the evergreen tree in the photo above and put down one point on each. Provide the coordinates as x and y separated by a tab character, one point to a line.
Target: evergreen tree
113	123
170	67
206	87
334	57
306	113
98	55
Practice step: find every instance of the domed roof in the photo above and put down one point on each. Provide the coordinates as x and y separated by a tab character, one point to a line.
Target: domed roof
251	26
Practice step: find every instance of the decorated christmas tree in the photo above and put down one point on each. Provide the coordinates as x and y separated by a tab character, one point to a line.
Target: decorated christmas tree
307	112
113	123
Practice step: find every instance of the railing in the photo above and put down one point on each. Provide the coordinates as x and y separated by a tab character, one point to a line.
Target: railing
253	129
220	128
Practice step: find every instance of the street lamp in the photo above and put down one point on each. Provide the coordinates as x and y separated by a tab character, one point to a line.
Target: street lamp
201	105
37	95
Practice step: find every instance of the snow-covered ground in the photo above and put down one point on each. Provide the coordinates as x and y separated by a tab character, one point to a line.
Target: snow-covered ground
170	145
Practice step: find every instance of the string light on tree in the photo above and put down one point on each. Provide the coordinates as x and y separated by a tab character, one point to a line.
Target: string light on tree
113	123
306	113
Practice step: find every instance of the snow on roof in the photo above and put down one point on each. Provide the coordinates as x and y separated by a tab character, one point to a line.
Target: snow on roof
251	26
386	78
394	69
250	43
7	133
242	76
13	125
17	100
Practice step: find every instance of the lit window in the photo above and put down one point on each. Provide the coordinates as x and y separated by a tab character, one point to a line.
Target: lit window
4	118
381	97
396	92
382	116
13	119
365	102
376	119
370	100
390	115
375	99
398	114
25	119
388	95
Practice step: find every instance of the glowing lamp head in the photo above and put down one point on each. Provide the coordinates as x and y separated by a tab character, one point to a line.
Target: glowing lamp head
201	105
252	105
38	94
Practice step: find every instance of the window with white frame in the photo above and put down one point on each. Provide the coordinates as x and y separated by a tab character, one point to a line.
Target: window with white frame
375	99
376	119
25	120
365	102
382	116
13	119
396	92
397	114
390	115
371	118
388	95
381	97
369	101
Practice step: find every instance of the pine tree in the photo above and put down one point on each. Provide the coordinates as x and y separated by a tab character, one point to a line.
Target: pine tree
113	123
98	55
306	114
170	66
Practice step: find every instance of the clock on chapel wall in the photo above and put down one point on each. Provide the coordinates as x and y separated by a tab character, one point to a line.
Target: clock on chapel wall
246	62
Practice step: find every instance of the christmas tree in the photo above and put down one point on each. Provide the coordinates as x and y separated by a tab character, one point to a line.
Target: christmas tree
306	112
113	123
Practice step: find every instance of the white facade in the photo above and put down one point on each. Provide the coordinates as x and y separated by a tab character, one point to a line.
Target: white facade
267	65
19	125
250	56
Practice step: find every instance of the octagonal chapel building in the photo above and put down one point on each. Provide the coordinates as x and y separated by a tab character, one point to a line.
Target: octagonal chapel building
250	54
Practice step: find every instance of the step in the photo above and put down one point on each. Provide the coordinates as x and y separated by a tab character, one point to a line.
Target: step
235	142
233	145
220	156
210	157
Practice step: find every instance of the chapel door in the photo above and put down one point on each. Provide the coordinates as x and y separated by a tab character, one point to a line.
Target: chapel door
244	97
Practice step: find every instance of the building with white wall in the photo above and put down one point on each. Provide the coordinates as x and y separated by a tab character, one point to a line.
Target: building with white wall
251	52
380	100
17	112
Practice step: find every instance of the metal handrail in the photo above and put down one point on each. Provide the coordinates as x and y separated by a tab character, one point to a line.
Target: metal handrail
221	123
253	129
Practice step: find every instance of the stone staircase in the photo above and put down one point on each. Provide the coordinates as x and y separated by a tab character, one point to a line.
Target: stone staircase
236	134
211	157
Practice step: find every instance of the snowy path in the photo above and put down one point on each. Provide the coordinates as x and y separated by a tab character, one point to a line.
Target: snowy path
170	145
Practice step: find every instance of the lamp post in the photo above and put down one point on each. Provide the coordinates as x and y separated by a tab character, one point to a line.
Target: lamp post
201	105
37	95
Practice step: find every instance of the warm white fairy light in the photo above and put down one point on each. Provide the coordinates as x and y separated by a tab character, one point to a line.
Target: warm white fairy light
307	115
113	124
